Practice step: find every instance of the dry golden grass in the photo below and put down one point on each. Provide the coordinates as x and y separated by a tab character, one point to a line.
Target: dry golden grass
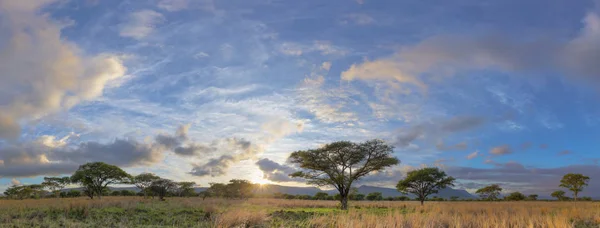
195	212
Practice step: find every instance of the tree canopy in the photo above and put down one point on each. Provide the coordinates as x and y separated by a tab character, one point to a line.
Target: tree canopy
490	192
575	183
96	176
144	181
339	164
55	184
424	182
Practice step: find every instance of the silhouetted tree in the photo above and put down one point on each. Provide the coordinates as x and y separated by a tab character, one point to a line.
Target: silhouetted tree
574	182
339	164
424	182
490	192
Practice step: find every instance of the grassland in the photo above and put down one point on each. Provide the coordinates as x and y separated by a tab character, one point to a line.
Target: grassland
195	212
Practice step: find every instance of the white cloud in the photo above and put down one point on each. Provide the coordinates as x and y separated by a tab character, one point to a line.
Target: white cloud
322	47
14	181
473	155
141	24
62	76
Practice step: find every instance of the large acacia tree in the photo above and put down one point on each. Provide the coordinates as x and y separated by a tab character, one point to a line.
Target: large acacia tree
575	183
424	182
96	176
339	164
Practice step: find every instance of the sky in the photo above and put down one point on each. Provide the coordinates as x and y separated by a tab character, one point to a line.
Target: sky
492	92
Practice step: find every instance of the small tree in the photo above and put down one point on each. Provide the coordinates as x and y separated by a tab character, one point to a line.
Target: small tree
574	182
515	196
490	192
454	198
321	196
185	188
144	181
162	187
217	190
242	189
375	196
424	182
559	195
96	177
339	164
532	197
56	184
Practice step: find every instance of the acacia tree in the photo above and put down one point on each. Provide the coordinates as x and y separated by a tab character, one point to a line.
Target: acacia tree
55	184
575	183
559	195
532	197
96	176
143	182
185	188
424	182
515	196
490	192
339	164
162	187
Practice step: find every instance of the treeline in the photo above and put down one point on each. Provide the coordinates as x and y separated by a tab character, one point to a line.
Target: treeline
94	179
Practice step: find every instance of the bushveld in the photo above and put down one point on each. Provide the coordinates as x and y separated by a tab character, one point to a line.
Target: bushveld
257	212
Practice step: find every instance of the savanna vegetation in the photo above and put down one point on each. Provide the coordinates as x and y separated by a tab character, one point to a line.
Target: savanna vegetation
153	201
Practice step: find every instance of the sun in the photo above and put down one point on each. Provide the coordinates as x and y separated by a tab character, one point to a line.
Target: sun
260	181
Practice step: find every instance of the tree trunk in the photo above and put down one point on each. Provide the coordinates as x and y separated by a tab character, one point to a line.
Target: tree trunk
145	193
344	202
575	196
422	200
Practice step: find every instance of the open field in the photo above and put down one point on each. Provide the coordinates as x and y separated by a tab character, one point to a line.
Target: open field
195	212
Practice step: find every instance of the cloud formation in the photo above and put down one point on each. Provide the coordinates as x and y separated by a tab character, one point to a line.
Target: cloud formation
233	150
62	76
446	55
501	150
437	130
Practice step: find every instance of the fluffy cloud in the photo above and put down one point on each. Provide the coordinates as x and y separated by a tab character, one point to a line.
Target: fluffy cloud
501	150
14	181
274	171
234	150
141	24
48	155
62	75
438	130
440	56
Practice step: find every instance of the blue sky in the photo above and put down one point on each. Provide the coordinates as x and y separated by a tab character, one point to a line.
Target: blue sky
206	90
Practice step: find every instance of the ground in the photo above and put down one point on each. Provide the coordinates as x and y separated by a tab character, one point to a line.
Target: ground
195	212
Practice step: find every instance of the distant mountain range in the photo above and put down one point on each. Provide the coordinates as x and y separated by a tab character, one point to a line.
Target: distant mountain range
364	189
